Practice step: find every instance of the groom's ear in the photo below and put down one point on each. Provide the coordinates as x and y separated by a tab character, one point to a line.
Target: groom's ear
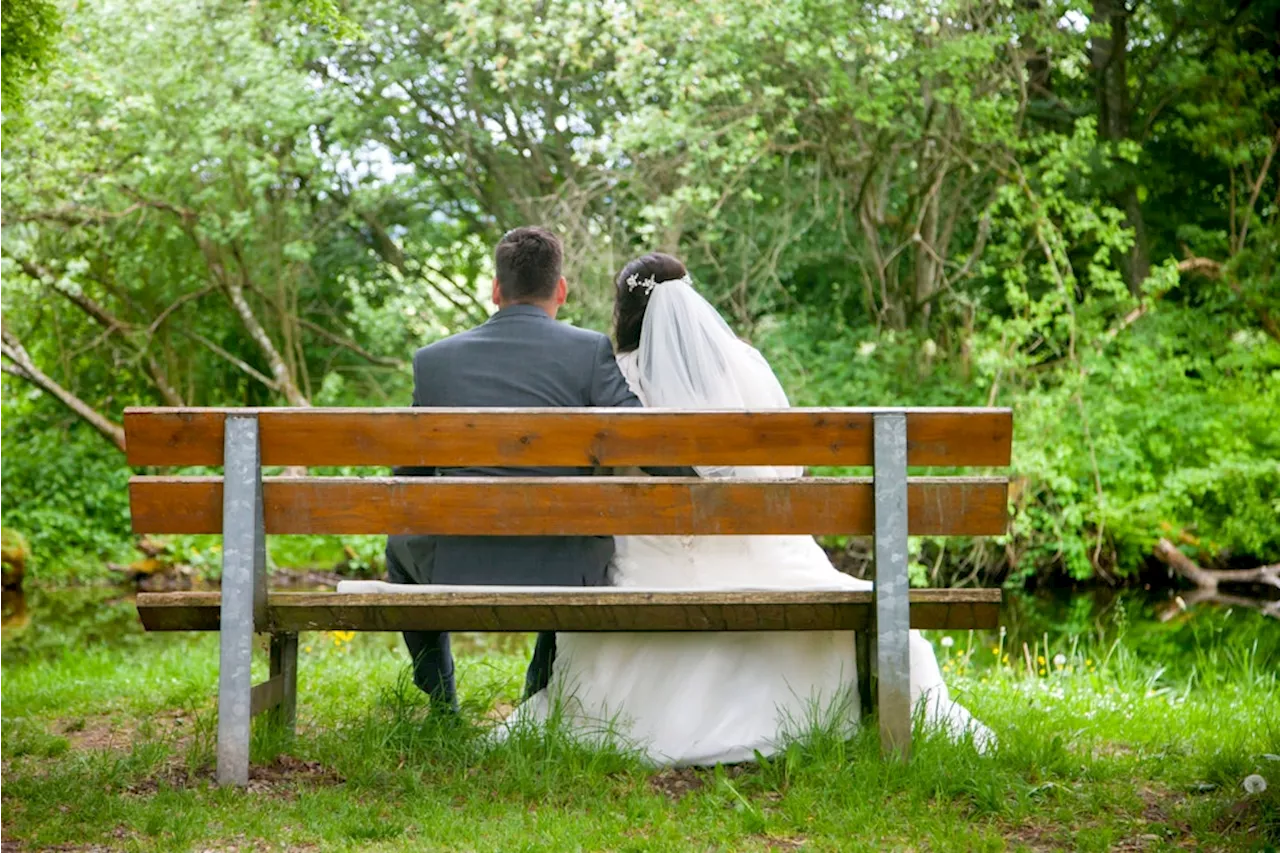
562	291
497	292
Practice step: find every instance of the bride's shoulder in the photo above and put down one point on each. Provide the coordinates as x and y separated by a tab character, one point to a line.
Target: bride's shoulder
746	346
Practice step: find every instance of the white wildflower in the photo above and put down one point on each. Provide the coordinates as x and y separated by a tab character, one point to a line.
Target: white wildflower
1059	660
866	348
1254	784
947	642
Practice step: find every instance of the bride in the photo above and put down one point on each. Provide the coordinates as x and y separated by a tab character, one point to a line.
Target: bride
699	699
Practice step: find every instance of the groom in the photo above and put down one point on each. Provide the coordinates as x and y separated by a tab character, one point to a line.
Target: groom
521	357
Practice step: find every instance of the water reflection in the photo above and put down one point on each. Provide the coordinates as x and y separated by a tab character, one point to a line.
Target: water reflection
1154	626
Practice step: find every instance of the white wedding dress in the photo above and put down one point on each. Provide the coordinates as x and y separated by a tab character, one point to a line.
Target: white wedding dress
701	699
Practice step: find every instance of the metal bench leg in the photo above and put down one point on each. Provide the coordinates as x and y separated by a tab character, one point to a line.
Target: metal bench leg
243	594
893	615
864	655
284	665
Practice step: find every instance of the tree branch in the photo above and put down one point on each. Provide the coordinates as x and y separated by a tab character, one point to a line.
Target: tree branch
351	345
235	360
1167	553
178	303
13	350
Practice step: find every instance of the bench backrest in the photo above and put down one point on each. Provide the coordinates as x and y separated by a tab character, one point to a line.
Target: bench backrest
245	439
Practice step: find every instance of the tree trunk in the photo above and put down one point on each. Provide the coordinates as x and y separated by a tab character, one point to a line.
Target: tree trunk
1109	53
279	370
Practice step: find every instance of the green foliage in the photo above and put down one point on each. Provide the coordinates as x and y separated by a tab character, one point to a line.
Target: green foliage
28	29
276	203
62	491
1168	428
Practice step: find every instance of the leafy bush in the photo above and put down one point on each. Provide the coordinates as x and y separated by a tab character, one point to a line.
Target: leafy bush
63	489
1167	429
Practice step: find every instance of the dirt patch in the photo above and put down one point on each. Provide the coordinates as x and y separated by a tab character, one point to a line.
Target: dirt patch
1112	749
774	843
102	732
1037	836
674	784
1160	805
281	777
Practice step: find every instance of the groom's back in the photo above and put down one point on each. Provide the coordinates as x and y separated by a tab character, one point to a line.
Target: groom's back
520	358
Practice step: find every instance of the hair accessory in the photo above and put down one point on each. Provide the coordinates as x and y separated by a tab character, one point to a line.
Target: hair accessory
650	283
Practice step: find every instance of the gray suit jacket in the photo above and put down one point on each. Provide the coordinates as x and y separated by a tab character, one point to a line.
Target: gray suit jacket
519	358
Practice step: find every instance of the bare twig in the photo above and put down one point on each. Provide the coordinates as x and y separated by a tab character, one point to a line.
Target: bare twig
347	343
235	360
178	303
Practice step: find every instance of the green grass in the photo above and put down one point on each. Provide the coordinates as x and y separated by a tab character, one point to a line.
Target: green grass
111	743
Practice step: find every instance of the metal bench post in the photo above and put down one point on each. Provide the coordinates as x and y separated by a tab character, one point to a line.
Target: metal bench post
893	615
284	665
244	593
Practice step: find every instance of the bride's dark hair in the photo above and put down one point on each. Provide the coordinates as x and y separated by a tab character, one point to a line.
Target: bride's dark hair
629	303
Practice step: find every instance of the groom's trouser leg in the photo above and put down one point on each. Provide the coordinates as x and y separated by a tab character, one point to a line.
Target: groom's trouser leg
430	650
538	676
433	667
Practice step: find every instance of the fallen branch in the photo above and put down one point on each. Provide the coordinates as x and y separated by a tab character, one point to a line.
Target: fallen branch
1167	553
1214	269
1182	604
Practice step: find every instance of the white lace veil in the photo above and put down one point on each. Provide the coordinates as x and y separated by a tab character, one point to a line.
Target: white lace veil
689	358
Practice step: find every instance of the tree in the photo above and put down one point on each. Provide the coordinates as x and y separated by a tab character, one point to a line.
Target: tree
172	230
28	29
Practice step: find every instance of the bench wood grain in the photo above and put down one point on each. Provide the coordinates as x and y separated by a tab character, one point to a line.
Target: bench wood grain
602	506
576	610
567	437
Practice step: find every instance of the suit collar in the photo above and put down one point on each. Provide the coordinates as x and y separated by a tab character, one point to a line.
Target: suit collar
520	310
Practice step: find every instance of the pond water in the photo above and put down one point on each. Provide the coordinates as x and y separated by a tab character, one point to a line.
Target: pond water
46	622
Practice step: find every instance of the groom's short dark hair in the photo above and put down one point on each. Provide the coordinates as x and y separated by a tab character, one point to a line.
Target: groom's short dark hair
528	262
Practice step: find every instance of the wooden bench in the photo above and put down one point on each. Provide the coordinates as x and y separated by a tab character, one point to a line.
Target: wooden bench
244	506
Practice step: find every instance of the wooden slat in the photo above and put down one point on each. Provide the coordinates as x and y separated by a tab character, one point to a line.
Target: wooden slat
568	437
580	506
266	695
576	610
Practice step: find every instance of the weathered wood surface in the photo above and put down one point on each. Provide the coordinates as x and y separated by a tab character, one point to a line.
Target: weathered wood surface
267	695
568	437
576	610
600	506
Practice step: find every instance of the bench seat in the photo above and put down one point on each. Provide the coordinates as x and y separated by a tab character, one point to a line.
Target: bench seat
575	609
